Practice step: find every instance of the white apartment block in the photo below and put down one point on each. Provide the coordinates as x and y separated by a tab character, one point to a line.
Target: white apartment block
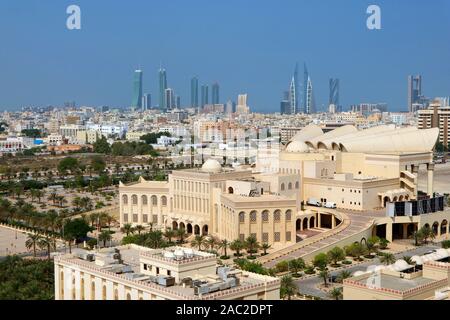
136	273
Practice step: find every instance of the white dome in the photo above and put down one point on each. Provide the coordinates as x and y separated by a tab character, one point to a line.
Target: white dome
212	166
401	265
442	253
417	259
297	146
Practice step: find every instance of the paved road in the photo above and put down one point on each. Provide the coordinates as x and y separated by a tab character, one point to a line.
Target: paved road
309	286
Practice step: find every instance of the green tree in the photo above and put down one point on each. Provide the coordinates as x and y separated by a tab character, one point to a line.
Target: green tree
98	164
372	245
344	274
139	228
265	246
336	293
336	255
252	245
66	164
387	258
155	239
46	244
181	233
320	261
32	242
224	244
169	234
127	229
288	288
296	265
198	242
102	146
105	236
237	246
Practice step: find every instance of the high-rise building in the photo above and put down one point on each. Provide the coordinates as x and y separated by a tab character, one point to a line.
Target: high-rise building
293	92
215	93
146	101
205	95
436	116
230	107
169	99
242	107
414	91
285	105
334	94
309	106
162	88
194	92
136	102
178	102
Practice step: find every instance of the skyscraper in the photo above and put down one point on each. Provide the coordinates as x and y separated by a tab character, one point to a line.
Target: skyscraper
215	93
334	94
169	99
162	88
178	102
308	96
293	92
205	95
146	101
194	92
285	105
136	102
414	91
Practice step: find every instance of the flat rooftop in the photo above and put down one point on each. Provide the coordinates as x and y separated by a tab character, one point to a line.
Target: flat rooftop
130	255
394	283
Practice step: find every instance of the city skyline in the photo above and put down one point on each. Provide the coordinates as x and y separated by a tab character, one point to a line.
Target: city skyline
51	75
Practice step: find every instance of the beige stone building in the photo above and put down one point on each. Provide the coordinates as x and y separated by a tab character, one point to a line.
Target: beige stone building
314	182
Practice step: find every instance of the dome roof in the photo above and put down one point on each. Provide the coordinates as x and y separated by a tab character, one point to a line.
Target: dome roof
297	146
212	166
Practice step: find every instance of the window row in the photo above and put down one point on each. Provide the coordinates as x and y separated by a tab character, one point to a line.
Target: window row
265	216
144	200
289	186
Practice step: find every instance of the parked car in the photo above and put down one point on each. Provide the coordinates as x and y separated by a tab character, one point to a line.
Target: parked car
330	205
314	202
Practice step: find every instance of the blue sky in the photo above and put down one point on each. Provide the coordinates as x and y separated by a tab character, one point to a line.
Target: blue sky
246	45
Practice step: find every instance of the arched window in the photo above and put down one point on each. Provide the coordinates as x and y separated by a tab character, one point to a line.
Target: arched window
164	200
265	216
116	294
125	199
242	217
282	187
134	199
104	293
288	215
290	186
297	185
144	200
154	200
253	217
128	296
93	290
277	216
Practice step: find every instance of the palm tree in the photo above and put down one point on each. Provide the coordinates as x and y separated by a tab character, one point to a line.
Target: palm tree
181	233
93	218
237	246
336	293
127	228
387	258
32	242
169	234
76	202
46	244
408	260
154	239
105	236
252	245
61	201
198	241
224	245
265	246
53	197
139	228
324	275
288	287
296	265
39	194
33	194
211	243
345	274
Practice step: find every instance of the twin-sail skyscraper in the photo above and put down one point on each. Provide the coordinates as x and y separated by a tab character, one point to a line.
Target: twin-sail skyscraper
290	104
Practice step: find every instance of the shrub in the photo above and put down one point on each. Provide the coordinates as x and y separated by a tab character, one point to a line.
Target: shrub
446	244
282	266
